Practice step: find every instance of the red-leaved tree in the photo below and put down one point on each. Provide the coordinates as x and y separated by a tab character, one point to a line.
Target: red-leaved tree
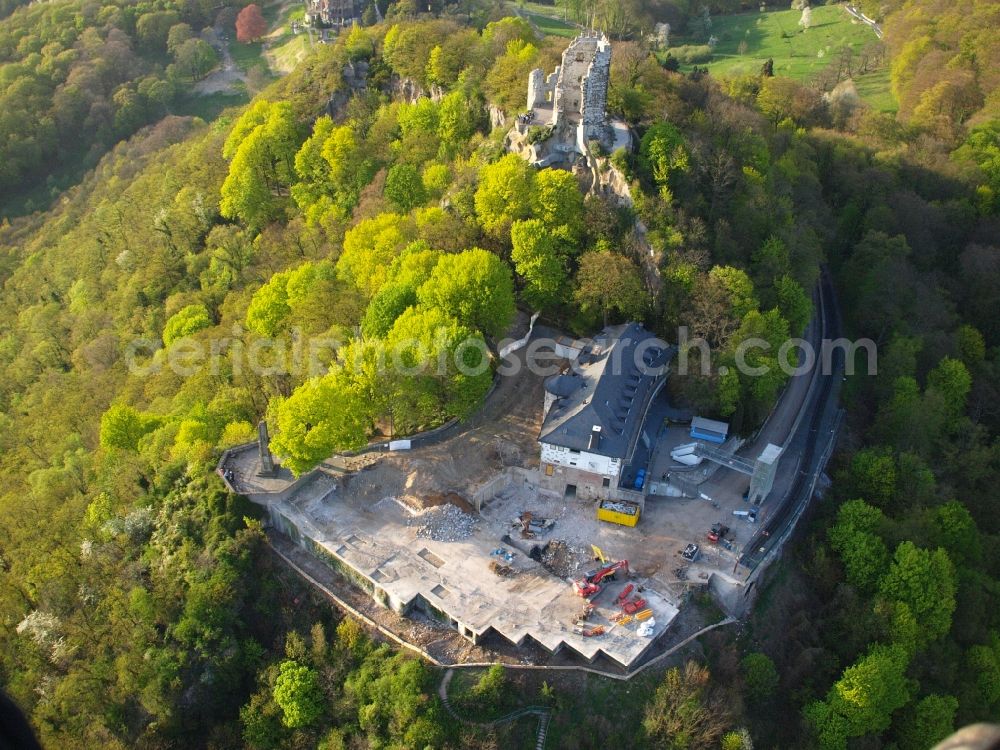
250	24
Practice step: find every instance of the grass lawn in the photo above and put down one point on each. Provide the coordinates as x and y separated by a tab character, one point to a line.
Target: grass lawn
209	106
552	26
245	55
285	55
279	17
874	89
796	53
285	49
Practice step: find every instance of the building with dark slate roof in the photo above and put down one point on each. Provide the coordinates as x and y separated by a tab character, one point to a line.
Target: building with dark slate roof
594	411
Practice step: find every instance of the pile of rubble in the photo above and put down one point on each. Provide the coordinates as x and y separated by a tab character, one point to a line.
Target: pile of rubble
446	523
561	559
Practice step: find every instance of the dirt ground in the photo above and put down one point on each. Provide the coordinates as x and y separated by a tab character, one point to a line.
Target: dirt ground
503	433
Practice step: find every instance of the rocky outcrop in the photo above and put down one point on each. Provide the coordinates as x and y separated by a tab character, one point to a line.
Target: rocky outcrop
498	118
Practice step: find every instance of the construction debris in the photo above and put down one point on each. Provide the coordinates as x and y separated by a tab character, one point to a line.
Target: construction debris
562	560
531	525
445	523
504	571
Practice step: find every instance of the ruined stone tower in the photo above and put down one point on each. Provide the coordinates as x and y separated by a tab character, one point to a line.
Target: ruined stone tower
576	94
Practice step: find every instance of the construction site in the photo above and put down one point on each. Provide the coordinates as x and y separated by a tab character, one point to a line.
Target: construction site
472	528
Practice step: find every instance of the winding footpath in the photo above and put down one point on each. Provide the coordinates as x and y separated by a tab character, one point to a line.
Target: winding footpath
543	714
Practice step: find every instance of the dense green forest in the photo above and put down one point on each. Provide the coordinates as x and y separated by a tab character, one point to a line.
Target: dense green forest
140	606
77	77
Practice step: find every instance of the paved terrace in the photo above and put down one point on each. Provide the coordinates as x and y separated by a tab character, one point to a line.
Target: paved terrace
380	543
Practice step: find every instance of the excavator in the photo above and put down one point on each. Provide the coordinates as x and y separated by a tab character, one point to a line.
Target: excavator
590	585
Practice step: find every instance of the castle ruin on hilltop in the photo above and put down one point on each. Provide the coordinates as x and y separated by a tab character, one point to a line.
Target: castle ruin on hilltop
567	109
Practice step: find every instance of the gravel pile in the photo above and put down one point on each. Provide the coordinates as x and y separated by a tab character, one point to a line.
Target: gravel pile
445	523
562	559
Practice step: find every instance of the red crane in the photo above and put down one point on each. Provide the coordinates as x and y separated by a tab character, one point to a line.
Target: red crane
590	585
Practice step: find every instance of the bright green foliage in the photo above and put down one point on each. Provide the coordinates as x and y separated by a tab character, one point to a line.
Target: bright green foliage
458	118
504	84
539	258
237	433
393	697
369	249
408	271
196	437
498	34
830	728
184	322
738	288
663	154
760	674
414	265
122	427
951	379
927	722
194	58
794	303
982	148
971	345
475	287
873	476
332	168
760	337
404	187
420	117
359	44
261	149
984	662
323	415
771	260
737	740
609	283
863	699
855	537
957	533
269	306
388	304
557	201
504	194
436	179
492	685
298	693
925	581
899	624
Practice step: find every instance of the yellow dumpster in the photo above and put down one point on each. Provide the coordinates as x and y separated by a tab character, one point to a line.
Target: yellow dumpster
618	511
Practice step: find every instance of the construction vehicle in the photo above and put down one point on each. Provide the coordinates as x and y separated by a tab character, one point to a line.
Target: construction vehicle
590	585
599	555
718	532
630	608
530	524
625	593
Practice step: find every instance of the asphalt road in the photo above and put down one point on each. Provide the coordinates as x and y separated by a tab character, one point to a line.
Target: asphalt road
810	442
779	424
